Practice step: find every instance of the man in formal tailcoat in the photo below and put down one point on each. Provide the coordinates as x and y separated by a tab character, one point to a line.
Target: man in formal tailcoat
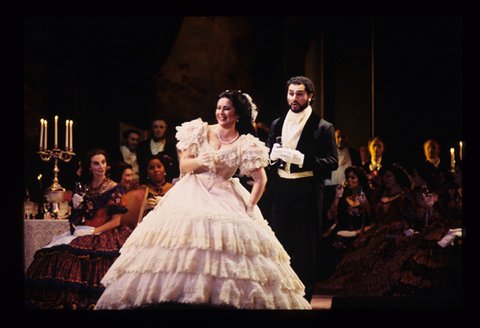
303	152
158	144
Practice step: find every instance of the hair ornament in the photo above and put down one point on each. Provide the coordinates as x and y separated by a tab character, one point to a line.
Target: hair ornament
253	106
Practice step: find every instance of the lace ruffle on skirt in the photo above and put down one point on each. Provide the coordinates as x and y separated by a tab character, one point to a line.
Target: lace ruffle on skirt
206	251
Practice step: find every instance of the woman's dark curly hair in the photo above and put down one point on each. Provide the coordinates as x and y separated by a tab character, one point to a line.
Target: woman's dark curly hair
243	109
166	161
401	175
361	175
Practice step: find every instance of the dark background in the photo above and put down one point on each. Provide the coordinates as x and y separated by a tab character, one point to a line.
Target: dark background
105	72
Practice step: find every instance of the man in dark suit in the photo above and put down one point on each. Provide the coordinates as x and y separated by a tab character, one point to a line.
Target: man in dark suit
128	152
158	144
306	155
376	166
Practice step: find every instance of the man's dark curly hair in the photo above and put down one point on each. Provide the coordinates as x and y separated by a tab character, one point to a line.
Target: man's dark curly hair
309	87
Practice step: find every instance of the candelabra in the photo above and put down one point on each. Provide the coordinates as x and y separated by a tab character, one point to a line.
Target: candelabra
55	193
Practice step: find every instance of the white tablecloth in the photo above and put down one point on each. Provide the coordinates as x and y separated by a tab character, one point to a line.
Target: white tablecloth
38	233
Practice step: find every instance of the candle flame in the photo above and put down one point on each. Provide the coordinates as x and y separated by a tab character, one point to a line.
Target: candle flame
56	117
452	150
39	177
41	121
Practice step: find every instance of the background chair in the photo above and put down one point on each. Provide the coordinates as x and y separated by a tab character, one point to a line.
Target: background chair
136	200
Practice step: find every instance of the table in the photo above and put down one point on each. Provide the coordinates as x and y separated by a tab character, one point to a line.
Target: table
38	233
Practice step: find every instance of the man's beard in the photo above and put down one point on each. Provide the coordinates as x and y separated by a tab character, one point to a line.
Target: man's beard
300	108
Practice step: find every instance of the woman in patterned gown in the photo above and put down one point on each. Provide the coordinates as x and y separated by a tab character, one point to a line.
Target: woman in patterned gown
434	266
206	242
389	213
66	273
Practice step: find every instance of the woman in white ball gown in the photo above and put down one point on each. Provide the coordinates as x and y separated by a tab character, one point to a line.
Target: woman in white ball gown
206	242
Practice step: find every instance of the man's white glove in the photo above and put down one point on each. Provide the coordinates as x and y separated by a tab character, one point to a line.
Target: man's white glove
276	152
292	156
450	237
206	159
77	200
346	233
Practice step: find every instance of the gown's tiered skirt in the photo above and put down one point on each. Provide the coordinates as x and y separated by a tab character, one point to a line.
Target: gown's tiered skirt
199	246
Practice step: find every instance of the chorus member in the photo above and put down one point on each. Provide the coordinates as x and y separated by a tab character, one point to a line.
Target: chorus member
158	144
123	173
157	183
66	273
128	152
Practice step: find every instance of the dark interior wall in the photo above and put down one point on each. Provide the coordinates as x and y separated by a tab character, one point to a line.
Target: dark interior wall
350	42
418	83
102	72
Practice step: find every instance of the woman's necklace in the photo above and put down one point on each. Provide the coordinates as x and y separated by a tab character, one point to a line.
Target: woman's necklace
102	186
228	142
158	189
393	195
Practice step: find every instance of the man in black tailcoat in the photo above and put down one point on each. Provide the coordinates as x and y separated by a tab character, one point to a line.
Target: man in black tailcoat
303	152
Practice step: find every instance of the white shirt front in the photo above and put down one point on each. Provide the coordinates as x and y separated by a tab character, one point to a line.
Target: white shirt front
157	147
131	158
292	130
344	161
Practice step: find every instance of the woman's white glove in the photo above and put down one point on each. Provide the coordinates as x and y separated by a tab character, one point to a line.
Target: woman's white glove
76	200
206	159
450	237
362	199
410	232
83	231
339	190
346	233
152	202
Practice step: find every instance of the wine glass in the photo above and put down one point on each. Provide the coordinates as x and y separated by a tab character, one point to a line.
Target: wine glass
63	206
28	207
79	188
46	204
429	201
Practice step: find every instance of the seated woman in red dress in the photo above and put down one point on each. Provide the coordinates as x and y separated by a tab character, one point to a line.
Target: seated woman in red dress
66	273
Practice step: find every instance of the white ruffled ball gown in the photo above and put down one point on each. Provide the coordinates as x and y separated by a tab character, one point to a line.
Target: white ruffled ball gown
199	245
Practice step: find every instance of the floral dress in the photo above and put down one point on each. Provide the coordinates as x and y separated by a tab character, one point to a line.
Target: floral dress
199	245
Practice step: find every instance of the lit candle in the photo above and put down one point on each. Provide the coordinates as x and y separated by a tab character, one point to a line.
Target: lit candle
66	135
71	136
452	157
46	134
461	153
55	146
41	134
40	183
